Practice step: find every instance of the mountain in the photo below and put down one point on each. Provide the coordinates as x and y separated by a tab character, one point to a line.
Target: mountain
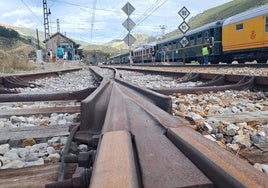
116	46
220	12
141	39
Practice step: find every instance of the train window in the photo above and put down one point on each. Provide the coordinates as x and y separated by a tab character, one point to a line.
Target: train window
191	40
199	39
206	35
266	24
239	26
174	45
169	46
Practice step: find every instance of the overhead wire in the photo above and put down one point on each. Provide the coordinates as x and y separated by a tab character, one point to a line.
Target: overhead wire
156	5
31	11
148	12
93	18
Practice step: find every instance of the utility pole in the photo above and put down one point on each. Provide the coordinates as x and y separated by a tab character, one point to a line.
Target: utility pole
37	36
58	25
163	28
46	22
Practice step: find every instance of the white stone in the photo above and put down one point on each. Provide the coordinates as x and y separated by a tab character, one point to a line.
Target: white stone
208	127
4	161
14	164
54	140
23	152
51	150
82	148
39	147
52	158
210	137
4	148
232	147
264	168
11	155
40	161
194	116
242	140
62	122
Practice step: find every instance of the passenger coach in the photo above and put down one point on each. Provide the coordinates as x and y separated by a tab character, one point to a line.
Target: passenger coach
209	34
245	36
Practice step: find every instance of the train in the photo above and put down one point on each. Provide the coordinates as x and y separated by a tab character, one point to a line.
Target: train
242	37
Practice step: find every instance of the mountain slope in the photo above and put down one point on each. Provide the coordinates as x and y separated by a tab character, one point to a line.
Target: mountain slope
221	12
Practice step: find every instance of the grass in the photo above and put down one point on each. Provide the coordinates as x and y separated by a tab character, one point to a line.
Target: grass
11	63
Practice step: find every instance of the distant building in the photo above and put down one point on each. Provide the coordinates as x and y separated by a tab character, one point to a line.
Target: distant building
58	39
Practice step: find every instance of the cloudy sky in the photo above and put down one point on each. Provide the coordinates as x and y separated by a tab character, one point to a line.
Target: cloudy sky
101	21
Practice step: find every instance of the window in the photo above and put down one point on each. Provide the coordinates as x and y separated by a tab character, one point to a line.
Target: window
169	47
206	35
174	45
199	39
239	26
191	40
266	24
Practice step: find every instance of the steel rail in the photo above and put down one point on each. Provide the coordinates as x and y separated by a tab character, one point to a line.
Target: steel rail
73	95
139	144
38	75
243	84
134	141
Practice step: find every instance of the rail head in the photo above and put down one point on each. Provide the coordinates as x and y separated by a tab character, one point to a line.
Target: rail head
115	163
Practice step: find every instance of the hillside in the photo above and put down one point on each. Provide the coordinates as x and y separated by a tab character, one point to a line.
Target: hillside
117	46
220	12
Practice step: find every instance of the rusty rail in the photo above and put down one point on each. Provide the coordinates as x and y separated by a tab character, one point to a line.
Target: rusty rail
74	95
139	144
244	84
135	142
16	81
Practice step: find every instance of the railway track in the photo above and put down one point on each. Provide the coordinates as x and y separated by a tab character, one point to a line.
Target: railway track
135	142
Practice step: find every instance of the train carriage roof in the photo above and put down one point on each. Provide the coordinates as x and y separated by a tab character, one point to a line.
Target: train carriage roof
120	55
247	15
146	46
196	30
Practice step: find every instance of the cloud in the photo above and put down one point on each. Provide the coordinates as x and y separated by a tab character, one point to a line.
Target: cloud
23	12
76	16
24	23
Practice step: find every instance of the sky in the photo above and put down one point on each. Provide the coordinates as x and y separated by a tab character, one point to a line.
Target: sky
100	21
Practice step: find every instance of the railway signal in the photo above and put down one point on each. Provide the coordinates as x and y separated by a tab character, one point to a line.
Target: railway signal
184	13
184	27
184	42
129	25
